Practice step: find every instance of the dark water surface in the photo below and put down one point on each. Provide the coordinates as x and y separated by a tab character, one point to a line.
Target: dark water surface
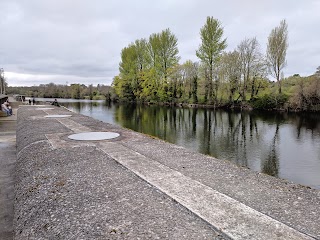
279	144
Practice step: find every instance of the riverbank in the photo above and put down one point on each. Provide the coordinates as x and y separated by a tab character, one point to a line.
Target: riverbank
135	187
268	105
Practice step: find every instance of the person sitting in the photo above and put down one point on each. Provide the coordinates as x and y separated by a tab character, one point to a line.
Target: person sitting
5	108
9	107
55	103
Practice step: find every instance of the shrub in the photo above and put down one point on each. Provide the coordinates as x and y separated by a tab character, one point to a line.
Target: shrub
267	102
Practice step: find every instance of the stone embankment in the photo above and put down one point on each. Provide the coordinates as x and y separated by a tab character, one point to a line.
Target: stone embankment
137	187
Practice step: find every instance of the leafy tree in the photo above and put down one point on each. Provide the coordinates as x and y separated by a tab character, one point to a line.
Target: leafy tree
91	93
189	79
153	49
149	85
277	51
75	91
168	51
212	44
3	83
231	72
251	64
141	59
129	67
194	83
141	53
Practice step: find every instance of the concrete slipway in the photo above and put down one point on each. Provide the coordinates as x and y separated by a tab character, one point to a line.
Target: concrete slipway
138	187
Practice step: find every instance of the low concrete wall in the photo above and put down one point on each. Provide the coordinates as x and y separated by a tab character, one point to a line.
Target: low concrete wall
137	187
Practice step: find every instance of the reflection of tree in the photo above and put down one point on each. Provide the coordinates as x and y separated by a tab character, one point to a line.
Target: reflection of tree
205	140
253	126
307	121
271	163
108	104
165	123
77	106
194	121
299	126
90	107
244	157
237	138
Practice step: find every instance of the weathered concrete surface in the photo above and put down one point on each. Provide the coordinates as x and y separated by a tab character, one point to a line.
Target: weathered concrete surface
7	170
73	190
136	187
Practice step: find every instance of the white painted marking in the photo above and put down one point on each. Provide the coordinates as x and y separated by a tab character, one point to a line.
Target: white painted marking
57	116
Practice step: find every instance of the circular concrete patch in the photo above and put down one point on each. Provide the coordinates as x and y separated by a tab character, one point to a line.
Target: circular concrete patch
57	116
85	136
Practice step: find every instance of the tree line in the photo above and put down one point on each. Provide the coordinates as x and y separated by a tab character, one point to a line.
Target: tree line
3	82
149	70
75	91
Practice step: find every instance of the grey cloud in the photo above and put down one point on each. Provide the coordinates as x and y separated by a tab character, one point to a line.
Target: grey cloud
84	38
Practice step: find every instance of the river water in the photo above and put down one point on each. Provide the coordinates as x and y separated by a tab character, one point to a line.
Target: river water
284	145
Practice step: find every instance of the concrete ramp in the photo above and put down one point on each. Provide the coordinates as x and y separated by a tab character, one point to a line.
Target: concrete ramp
136	187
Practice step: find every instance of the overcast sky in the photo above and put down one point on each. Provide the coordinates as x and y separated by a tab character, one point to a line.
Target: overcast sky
79	41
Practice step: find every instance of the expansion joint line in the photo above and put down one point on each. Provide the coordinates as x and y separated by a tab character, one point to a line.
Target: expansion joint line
74	126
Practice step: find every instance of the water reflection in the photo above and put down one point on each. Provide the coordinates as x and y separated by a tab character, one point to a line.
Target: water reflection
279	144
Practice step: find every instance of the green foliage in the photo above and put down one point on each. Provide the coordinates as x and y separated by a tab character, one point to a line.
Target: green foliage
149	71
149	85
212	43
269	102
209	53
168	52
306	94
145	68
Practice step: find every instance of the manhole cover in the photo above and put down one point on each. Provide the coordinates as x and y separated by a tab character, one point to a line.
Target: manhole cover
44	108
57	116
94	136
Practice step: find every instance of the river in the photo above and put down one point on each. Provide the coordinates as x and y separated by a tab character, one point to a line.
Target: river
284	145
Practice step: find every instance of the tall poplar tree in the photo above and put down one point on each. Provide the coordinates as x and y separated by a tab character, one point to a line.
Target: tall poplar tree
212	44
277	50
168	51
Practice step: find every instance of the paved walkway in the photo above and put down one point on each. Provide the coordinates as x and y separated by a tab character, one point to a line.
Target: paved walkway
7	173
136	187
